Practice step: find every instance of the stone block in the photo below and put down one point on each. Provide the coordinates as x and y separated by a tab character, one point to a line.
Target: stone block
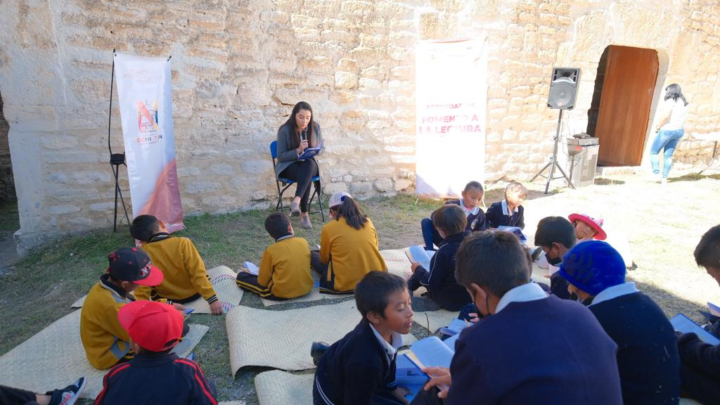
222	169
106	206
346	80
256	166
91	177
383	185
362	187
56	142
63	209
201	187
332	188
188	171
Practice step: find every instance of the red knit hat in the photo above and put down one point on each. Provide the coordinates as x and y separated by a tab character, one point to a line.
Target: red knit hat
154	326
594	223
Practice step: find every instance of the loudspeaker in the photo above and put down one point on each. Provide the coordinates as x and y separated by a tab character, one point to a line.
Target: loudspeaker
563	88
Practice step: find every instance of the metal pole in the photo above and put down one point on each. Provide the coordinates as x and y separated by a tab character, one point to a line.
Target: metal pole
555	149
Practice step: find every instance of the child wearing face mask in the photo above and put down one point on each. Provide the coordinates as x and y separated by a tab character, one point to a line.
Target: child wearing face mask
470	202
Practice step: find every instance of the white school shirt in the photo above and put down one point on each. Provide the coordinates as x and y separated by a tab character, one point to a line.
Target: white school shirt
614	292
526	292
390	349
505	209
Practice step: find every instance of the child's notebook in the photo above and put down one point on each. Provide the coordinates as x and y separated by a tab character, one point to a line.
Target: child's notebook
516	231
684	324
429	352
252	268
418	254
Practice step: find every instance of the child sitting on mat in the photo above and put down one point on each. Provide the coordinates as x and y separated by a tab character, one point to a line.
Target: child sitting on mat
509	211
186	278
348	247
104	340
470	201
360	367
155	376
587	227
285	265
443	290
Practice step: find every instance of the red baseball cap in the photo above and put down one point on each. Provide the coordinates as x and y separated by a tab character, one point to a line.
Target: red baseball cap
154	326
133	264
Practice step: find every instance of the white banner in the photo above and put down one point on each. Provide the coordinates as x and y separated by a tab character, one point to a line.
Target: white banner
145	95
451	97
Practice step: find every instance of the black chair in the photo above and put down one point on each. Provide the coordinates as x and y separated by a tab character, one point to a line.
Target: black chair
283	184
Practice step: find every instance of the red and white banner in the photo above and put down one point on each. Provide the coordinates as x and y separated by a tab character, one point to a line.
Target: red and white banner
145	95
451	97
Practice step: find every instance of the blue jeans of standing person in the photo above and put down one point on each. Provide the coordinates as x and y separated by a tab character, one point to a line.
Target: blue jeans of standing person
431	236
667	140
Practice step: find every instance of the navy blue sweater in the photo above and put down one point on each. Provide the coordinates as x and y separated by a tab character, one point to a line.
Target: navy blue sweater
156	379
440	280
355	370
700	369
543	352
495	217
647	348
475	222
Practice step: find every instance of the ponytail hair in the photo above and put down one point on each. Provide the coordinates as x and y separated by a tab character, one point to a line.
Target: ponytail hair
351	211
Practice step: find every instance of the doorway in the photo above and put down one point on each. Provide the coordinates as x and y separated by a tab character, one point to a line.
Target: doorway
9	221
620	111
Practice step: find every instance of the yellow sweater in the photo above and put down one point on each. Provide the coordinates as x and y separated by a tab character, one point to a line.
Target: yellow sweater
184	271
104	339
285	268
351	253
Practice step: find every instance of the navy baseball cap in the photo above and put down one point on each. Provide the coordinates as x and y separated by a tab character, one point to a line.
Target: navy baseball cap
133	264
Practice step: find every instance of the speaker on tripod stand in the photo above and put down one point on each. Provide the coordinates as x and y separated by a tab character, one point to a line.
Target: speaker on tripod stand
563	90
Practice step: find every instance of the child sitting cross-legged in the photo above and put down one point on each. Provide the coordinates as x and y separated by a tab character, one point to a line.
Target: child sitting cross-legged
155	376
443	289
360	368
106	342
470	201
509	211
186	278
285	265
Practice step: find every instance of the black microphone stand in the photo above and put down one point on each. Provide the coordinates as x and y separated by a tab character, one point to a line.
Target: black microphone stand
116	159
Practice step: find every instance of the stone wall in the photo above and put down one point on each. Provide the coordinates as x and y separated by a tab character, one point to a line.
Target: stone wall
238	67
7	185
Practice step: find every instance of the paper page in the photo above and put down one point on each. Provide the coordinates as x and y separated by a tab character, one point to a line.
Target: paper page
409	375
419	255
252	268
432	352
457	325
684	324
714	309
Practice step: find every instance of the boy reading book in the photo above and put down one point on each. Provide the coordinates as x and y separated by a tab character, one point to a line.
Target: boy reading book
439	278
360	367
185	275
285	265
556	236
470	200
700	362
647	351
106	342
534	349
155	376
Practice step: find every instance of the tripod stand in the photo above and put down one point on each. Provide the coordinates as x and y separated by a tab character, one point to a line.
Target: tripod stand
116	159
553	162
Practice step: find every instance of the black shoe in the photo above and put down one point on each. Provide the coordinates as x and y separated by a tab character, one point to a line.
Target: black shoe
317	350
68	395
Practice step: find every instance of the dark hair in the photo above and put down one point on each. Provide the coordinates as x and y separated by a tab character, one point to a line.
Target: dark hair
707	252
144	227
372	293
516	187
276	224
475	185
494	260
674	92
294	142
450	218
555	230
350	210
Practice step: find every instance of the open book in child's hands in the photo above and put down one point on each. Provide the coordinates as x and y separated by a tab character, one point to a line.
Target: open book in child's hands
714	309
419	255
683	324
252	268
429	352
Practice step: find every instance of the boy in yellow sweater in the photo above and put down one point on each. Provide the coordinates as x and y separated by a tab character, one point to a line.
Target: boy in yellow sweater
105	341
284	267
186	278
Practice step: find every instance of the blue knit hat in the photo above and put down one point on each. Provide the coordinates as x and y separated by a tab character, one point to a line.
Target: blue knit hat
593	266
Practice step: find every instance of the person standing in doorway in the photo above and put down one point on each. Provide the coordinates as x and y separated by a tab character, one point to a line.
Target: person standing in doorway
670	129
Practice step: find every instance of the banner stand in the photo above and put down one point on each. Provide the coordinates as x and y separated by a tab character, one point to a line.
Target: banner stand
116	159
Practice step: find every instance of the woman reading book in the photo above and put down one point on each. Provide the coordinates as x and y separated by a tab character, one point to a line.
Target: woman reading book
297	134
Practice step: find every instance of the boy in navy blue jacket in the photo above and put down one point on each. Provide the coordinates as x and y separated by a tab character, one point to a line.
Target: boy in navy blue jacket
155	376
556	236
700	362
534	349
647	347
440	279
470	201
509	211
359	369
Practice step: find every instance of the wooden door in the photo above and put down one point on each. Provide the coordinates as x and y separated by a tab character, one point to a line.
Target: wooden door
624	114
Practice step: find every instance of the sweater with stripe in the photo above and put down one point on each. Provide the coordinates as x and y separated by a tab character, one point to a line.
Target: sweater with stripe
183	268
104	339
156	379
285	268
